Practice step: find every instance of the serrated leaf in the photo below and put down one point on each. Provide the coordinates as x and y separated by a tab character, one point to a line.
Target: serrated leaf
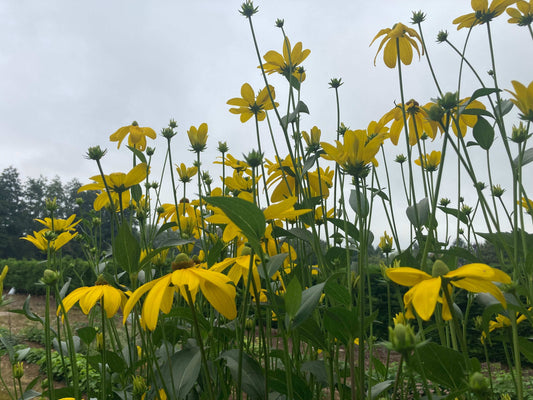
483	133
247	216
126	249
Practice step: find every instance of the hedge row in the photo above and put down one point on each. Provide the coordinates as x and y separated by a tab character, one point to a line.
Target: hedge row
24	275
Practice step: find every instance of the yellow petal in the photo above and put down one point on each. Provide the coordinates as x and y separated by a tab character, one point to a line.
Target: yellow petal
425	295
407	276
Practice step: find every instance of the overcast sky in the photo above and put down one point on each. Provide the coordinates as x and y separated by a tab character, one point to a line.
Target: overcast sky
73	72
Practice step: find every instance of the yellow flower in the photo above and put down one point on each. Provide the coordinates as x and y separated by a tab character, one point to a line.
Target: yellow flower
527	204
357	151
118	183
426	289
417	120
284	210
430	162
282	172
466	120
240	268
137	138
186	276
45	239
385	243
524	15
249	105
286	64
2	278
111	298
523	99
59	225
482	12
185	173
240	183
400	38
313	139
198	137
232	162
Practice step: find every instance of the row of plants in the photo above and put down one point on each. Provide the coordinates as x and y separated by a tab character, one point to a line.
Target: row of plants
260	285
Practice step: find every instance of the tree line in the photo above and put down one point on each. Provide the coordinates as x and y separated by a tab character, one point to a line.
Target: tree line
24	201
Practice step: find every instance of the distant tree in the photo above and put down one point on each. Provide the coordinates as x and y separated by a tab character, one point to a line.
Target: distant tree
13	216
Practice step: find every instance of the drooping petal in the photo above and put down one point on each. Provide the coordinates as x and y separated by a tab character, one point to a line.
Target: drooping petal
136	296
407	276
90	298
218	290
152	303
425	295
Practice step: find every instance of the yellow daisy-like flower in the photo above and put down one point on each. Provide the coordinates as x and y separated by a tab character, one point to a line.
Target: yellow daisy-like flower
137	138
240	268
426	289
45	239
417	120
385	243
282	172
430	162
313	139
523	16
185	173
198	137
232	162
59	225
523	99
286	64
482	12
110	298
249	105
217	288
118	183
398	39
356	153
239	182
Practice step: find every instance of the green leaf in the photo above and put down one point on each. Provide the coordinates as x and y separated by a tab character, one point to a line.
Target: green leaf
252	378
419	215
461	216
483	133
247	216
136	192
481	92
87	334
359	203
380	387
442	365
476	111
274	263
183	369
527	157
526	347
115	362
341	323
380	193
317	368
346	226
309	301
461	253
337	292
126	249
278	382
293	298
139	154
301	107
311	333
506	107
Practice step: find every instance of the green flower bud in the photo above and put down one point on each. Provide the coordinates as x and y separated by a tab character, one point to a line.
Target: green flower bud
280	23
168	133
223	147
334	83
150	151
18	370
519	134
139	386
50	277
449	101
402	338
418	17
444	202
436	113
254	158
182	261
439	268
442	36
497	191
478	383
400	159
95	153
172	124
248	9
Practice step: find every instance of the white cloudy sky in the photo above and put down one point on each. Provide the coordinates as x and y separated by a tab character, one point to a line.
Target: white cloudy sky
74	72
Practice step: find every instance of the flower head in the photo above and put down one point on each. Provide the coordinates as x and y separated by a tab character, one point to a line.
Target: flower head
482	12
250	105
60	225
523	16
45	239
137	138
198	137
111	298
287	63
185	173
430	162
523	99
313	139
400	39
119	184
426	289
187	278
385	243
356	153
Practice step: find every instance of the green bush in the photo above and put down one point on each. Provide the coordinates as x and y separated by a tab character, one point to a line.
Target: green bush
24	275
